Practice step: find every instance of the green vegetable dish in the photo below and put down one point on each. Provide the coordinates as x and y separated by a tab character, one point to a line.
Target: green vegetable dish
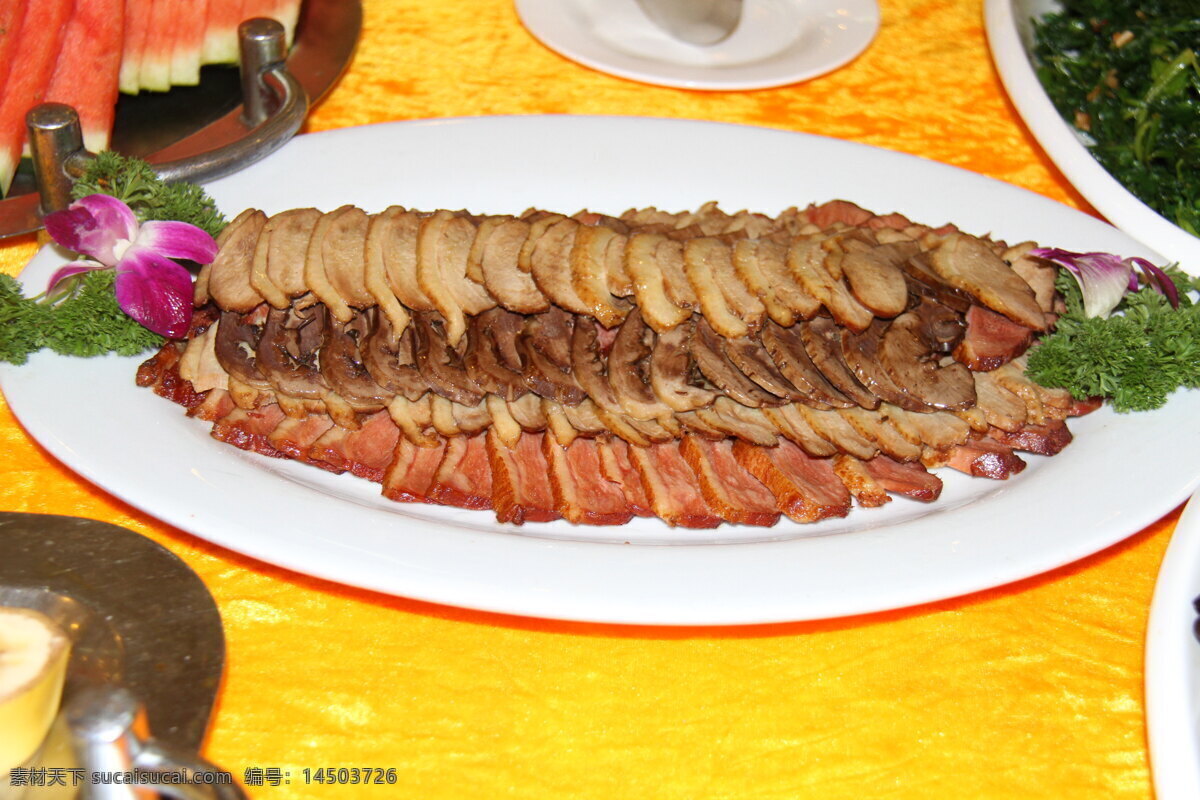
1127	76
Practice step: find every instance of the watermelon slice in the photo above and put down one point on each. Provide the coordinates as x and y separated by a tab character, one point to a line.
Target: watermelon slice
39	39
137	25
85	76
11	14
154	73
220	35
189	42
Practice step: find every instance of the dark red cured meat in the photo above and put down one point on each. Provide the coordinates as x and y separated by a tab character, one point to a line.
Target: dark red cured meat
366	452
464	478
216	404
1045	440
520	485
907	478
86	74
582	493
985	458
732	492
295	438
410	475
618	468
805	488
991	340
249	429
671	487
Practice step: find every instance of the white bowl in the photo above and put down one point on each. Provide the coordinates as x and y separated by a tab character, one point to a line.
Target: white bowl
1010	34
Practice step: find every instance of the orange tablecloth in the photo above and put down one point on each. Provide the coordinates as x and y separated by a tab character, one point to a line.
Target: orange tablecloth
1028	691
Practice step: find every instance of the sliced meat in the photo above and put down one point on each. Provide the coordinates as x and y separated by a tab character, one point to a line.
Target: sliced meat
391	362
806	489
589	275
344	257
618	468
410	476
991	340
750	356
492	358
708	352
288	234
628	367
730	490
366	453
701	258
399	230
906	478
521	490
228	276
970	264
649	287
503	277
875	277
854	474
439	364
806	259
671	487
915	369
582	494
862	354
550	264
295	436
1044	440
316	278
673	375
343	369
985	458
464	478
823	342
287	352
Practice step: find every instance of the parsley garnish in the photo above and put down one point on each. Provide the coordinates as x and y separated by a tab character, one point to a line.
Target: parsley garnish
85	320
1135	358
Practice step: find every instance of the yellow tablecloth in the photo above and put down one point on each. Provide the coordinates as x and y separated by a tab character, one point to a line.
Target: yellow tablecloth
1028	691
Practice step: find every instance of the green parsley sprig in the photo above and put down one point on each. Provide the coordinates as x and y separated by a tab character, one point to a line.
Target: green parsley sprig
1135	358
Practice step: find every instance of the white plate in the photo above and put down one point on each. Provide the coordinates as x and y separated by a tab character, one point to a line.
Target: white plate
981	533
1010	36
1173	665
778	42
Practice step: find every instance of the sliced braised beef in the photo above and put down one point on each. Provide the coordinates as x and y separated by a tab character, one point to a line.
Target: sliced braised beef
861	352
236	342
439	363
915	368
709	355
924	282
392	364
750	356
991	340
822	341
491	359
544	346
941	327
343	369
789	356
629	367
673	374
589	368
287	352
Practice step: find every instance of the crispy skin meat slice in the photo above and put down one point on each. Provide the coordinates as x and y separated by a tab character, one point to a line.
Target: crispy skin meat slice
344	257
968	263
410	476
512	287
906	478
589	275
464	478
823	342
1002	408
874	275
806	259
795	428
875	428
730	490
375	277
521	489
991	340
671	371
316	277
671	487
806	489
249	429
399	230
443	244
582	495
227	279
550	263
260	279
288	234
701	258
830	425
649	287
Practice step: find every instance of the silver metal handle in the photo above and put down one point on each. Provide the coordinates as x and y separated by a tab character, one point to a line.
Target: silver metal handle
108	733
273	101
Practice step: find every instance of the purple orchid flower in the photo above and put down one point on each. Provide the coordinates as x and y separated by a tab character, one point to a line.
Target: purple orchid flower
150	287
1104	278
